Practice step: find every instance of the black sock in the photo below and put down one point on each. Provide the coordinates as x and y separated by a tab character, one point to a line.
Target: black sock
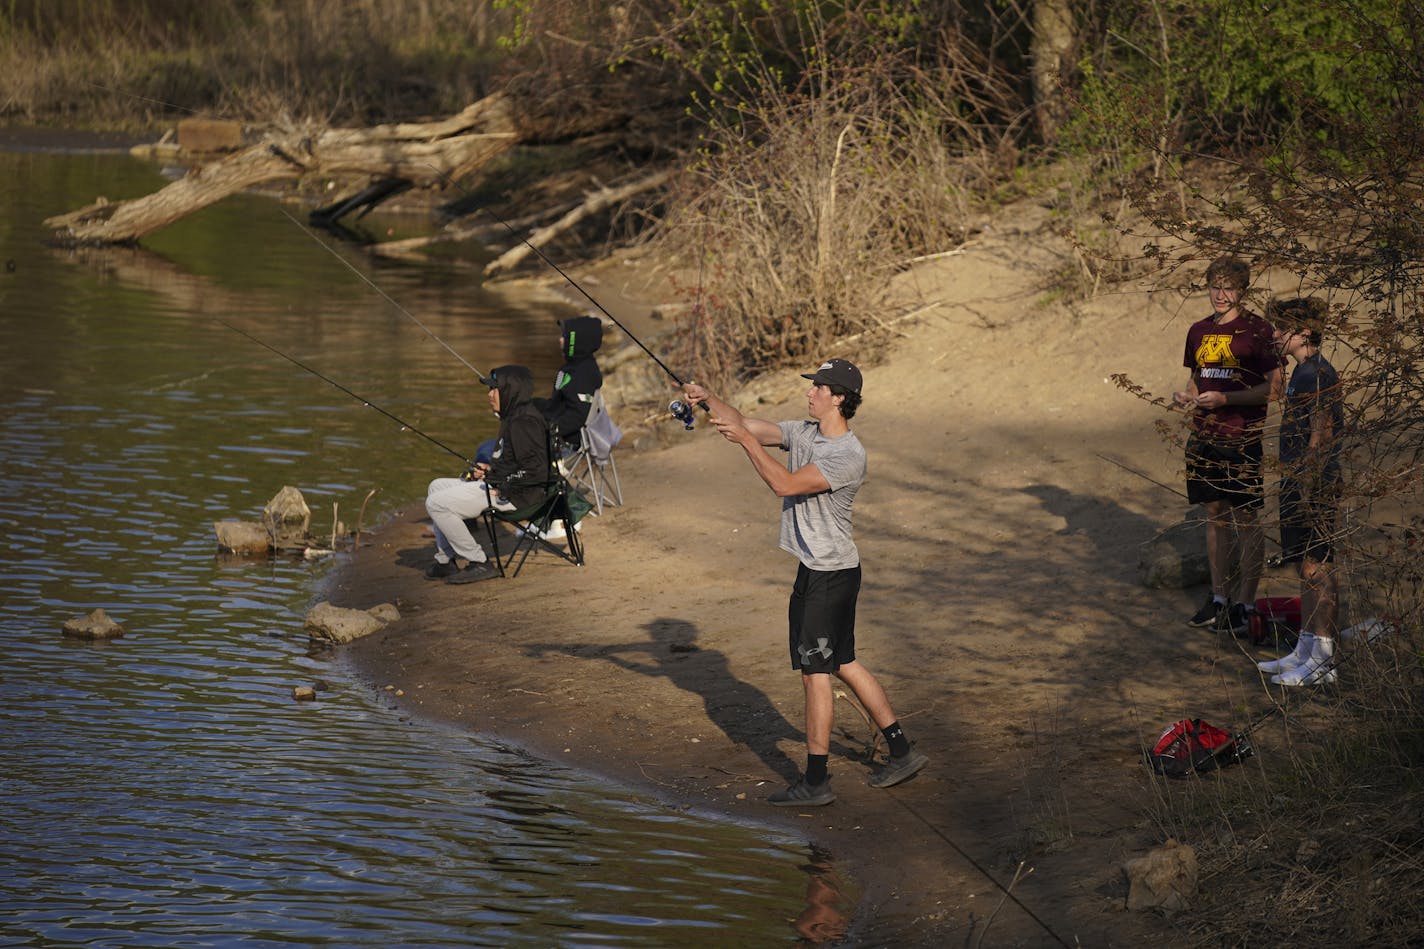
895	735
816	768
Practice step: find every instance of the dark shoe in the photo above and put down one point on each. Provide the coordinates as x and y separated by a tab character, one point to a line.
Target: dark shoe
898	769
1206	616
802	794
439	571
474	571
1238	619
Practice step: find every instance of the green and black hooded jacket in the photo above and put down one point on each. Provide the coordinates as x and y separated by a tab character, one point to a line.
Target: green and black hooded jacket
578	379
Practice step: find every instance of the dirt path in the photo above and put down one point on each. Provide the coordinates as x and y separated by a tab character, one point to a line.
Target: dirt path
1001	610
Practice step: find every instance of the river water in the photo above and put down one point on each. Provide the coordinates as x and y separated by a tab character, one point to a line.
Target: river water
163	789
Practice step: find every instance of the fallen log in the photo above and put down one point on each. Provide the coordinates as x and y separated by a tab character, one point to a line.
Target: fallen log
427	154
596	202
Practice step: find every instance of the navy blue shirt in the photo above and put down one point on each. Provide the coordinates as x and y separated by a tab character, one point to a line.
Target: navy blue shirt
1314	387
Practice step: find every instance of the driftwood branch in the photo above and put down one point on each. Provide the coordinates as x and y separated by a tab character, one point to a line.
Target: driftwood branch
596	202
425	154
450	234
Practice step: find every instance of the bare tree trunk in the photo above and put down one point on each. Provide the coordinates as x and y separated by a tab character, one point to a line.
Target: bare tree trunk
1051	50
426	154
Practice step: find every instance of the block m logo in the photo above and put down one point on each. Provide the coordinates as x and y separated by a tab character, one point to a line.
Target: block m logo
1215	350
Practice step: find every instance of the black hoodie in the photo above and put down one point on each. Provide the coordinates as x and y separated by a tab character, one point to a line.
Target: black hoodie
520	465
574	386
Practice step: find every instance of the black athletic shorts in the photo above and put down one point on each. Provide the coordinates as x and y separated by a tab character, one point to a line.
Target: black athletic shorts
822	619
1308	523
1226	470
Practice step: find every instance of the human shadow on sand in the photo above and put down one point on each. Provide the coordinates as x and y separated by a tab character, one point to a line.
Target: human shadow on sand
743	712
1112	529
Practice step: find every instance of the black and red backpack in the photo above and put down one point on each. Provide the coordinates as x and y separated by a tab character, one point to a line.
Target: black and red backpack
1194	746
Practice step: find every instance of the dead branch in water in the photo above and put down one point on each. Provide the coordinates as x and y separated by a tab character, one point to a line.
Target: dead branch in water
426	154
600	199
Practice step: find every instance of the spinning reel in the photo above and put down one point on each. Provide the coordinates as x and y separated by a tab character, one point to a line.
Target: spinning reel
681	411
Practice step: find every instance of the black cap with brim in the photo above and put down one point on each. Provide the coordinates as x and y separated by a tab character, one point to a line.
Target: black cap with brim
836	372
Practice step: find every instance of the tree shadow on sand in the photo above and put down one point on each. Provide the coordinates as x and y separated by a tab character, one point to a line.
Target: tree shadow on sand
741	710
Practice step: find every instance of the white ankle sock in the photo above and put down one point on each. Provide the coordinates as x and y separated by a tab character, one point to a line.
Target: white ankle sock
1304	649
1318	669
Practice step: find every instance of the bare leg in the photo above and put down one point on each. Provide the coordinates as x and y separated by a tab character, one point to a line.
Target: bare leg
1252	540
867	689
1218	545
1320	599
820	712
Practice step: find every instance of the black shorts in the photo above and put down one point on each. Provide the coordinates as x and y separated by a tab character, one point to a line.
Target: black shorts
822	619
1226	470
1308	521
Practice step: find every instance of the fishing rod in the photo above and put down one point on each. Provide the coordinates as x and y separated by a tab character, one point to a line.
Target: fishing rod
677	408
384	295
680	410
327	379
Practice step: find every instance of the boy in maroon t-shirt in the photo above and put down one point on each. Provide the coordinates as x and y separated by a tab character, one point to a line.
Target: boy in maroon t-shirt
1235	372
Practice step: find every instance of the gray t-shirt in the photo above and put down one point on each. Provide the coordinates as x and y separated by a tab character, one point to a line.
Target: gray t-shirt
817	527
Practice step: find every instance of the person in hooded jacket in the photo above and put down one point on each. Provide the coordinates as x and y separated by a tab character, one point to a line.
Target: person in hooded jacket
517	474
578	379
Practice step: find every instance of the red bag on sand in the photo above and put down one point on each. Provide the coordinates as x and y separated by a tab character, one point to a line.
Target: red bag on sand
1193	745
1276	621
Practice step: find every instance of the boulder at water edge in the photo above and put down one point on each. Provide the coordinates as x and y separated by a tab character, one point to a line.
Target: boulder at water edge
242	537
287	519
97	625
336	624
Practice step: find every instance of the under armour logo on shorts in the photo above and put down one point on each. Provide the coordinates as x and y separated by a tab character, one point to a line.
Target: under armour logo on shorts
823	647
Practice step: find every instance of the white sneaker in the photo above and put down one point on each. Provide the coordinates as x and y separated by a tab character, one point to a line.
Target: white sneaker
1318	669
1311	673
1368	630
1303	648
555	532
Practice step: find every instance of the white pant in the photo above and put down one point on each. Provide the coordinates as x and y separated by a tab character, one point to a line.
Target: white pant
449	501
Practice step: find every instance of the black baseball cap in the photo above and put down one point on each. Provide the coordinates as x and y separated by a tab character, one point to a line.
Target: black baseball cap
836	372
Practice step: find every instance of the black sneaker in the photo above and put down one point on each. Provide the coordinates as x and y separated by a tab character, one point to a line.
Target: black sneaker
898	769
439	571
802	794
1206	616
474	571
1238	619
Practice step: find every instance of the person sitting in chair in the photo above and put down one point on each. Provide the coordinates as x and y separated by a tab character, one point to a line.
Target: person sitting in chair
516	474
566	409
578	379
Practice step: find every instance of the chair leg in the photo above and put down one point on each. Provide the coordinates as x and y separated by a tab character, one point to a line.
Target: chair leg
617	488
494	541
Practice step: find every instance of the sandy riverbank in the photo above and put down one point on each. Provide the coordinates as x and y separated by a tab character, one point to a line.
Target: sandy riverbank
1001	610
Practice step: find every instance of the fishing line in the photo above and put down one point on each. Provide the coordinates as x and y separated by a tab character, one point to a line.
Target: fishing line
983	872
575	284
1131	470
307	231
134	95
327	379
384	295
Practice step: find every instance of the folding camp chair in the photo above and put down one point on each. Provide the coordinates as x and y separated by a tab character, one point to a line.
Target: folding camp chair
560	504
591	467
